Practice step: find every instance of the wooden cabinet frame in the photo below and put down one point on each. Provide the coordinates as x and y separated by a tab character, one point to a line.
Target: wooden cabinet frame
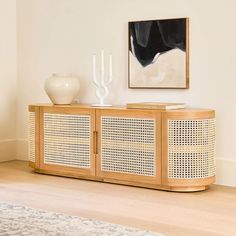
95	172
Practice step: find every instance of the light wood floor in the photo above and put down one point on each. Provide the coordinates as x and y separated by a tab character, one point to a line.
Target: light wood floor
208	213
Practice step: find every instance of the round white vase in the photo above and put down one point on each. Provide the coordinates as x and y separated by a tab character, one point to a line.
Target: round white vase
62	89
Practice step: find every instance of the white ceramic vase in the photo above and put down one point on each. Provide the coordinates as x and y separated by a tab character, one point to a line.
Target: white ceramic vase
62	89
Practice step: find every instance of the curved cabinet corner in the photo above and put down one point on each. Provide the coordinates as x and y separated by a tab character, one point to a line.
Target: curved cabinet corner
188	151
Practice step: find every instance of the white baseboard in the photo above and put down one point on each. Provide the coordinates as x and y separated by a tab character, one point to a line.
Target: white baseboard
22	150
226	169
7	150
226	172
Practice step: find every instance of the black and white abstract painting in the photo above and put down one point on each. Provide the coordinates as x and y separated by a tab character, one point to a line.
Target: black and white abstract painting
158	54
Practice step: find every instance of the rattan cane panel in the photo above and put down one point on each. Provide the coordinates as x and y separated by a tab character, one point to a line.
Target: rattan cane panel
191	148
67	140
128	145
31	136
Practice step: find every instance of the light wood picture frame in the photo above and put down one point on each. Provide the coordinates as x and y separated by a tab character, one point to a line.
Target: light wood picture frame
159	54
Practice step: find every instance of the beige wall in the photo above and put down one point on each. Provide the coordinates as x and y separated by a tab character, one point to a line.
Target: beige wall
7	79
61	35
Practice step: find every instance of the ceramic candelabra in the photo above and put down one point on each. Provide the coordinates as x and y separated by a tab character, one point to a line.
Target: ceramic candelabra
102	90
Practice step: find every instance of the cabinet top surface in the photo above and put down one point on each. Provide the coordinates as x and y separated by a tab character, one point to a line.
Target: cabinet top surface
119	107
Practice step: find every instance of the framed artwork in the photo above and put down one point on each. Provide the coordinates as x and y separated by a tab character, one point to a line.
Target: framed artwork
159	53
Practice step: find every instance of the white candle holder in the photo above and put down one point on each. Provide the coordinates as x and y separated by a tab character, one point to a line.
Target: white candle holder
102	90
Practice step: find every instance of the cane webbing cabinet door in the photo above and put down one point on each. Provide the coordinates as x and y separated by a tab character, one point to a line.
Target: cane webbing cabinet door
129	145
188	149
66	144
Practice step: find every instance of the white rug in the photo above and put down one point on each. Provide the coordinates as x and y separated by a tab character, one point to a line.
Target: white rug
20	220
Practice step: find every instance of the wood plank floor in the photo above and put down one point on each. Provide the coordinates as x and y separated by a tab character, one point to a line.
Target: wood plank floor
208	213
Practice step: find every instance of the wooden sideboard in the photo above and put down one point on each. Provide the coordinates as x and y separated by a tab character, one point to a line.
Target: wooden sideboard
171	150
